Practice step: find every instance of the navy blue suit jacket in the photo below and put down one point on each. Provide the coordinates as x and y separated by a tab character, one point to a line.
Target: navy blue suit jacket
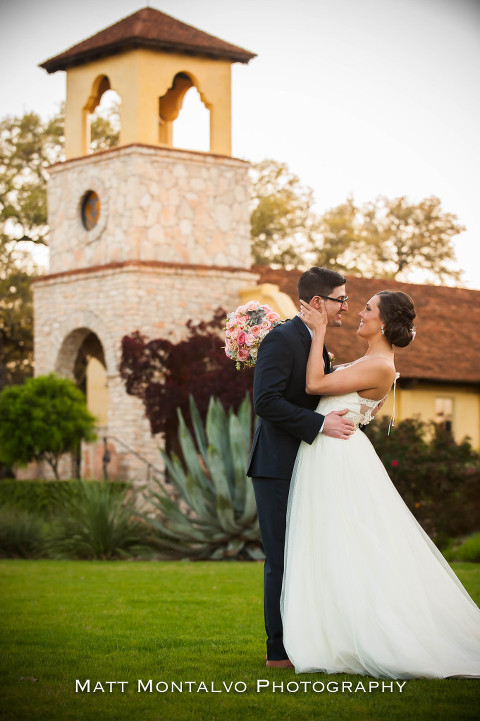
286	413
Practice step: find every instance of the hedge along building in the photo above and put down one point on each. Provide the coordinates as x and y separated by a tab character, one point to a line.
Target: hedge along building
143	236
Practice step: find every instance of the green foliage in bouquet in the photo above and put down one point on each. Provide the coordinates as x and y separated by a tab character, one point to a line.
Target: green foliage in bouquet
214	515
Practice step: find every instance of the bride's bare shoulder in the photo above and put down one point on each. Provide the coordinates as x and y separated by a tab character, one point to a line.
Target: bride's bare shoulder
380	365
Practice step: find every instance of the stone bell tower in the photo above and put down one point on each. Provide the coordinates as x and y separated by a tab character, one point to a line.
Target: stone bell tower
143	236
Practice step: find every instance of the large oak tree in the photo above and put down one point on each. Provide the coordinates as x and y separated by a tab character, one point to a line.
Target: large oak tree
390	238
283	222
386	237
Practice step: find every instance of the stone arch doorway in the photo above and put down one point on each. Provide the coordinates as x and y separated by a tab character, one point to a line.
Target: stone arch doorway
82	358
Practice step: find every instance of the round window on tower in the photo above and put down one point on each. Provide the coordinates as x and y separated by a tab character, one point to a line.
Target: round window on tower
90	209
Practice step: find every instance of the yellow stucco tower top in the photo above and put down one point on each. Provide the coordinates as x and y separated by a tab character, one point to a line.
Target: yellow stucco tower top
150	60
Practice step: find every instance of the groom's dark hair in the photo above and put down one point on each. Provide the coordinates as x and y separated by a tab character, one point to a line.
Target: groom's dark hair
318	281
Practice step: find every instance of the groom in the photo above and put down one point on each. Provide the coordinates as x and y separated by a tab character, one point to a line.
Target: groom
287	417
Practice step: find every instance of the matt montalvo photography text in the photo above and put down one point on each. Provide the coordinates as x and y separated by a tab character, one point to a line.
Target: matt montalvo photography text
259	686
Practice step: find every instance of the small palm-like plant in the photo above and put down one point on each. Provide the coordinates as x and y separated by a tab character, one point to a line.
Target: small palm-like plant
21	533
95	520
214	515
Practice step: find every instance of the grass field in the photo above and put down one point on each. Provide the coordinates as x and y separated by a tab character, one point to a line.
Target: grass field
176	623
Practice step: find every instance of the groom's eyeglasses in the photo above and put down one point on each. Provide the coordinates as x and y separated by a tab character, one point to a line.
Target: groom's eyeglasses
341	299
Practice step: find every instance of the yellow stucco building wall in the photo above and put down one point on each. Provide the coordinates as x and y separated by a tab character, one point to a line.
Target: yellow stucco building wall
97	391
142	77
269	294
420	400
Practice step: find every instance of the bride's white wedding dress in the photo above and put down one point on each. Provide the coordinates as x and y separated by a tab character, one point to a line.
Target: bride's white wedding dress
365	590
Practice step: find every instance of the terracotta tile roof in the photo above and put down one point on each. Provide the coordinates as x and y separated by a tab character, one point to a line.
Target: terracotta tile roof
447	346
147	28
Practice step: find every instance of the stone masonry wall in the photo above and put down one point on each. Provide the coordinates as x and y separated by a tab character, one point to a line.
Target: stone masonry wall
158	204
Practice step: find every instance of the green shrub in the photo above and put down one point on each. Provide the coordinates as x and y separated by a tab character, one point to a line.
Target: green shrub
40	497
438	479
34	496
41	420
468	550
22	534
95	520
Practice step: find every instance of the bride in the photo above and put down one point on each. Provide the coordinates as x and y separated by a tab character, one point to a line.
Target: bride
365	590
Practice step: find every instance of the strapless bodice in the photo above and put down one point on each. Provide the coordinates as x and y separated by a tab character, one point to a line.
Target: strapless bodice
360	410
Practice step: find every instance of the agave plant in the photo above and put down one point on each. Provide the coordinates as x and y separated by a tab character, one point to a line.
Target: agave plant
214	514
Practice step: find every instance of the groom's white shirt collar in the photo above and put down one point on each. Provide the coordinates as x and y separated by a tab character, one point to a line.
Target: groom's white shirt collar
306	326
311	336
310	331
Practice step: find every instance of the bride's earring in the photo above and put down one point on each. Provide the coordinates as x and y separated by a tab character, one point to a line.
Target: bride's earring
381	330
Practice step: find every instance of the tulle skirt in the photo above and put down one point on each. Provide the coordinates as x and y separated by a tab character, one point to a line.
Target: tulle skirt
365	590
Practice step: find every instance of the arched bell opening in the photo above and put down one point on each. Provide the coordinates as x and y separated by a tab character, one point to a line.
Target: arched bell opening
184	115
102	116
191	129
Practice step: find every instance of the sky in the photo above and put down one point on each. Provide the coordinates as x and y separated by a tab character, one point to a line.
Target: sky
358	97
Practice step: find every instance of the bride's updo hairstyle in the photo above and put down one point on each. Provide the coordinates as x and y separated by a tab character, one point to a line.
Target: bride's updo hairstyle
397	312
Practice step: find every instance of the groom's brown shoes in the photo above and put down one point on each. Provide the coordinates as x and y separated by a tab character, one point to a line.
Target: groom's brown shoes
284	663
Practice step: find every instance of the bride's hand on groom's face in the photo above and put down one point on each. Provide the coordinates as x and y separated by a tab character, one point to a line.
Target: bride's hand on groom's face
315	318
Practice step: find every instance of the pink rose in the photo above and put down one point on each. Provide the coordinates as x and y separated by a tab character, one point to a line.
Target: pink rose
272	317
266	324
241	337
240	321
252	305
250	339
242	354
255	330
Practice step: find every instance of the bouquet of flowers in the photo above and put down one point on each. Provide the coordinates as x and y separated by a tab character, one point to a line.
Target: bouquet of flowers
245	329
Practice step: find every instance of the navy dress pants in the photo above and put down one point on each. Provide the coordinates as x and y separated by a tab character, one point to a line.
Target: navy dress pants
271	495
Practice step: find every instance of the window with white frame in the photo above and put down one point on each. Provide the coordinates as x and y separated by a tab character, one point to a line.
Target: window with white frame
444	413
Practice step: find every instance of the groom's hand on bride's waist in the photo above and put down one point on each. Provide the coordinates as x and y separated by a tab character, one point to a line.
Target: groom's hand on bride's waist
336	426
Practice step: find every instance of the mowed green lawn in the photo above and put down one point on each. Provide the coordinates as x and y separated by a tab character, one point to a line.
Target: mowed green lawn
176	622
